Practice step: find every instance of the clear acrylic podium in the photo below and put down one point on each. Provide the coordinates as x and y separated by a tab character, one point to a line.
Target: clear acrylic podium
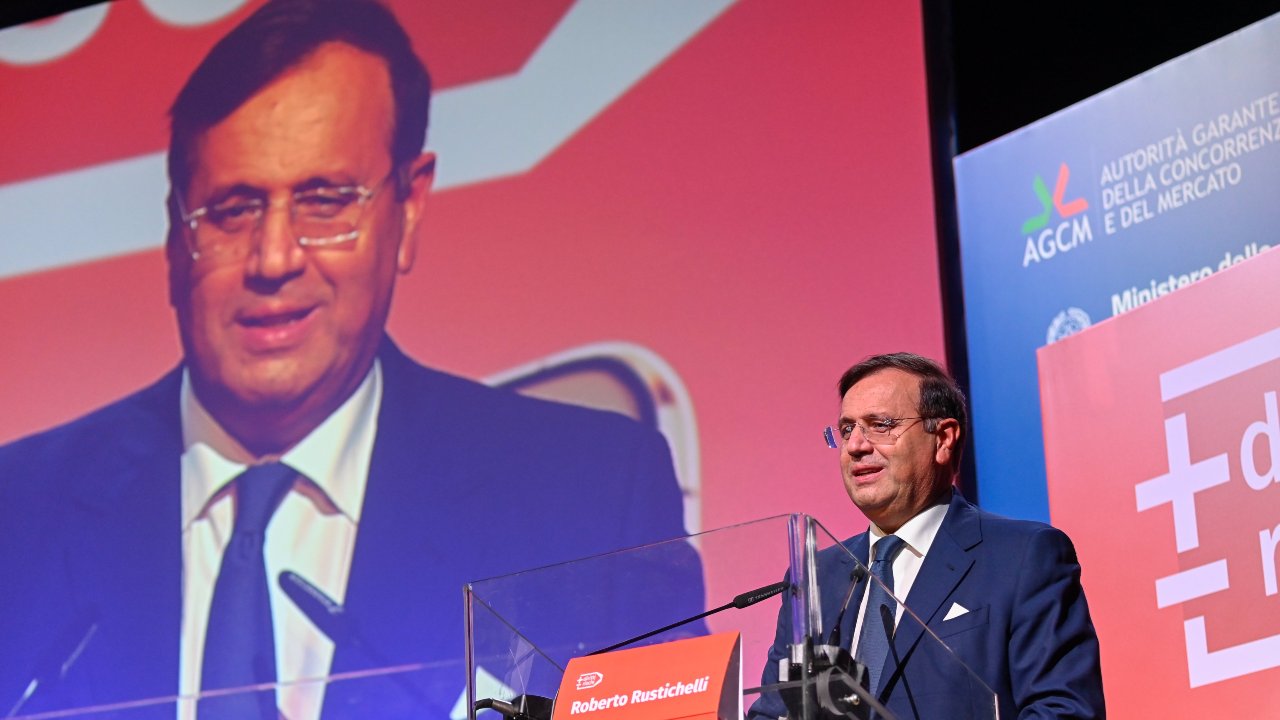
379	692
523	628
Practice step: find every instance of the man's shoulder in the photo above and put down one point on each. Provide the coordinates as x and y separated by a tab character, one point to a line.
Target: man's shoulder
963	512
1002	525
989	533
420	393
120	429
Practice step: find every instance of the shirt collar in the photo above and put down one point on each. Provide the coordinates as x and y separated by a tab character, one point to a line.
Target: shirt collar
918	532
334	456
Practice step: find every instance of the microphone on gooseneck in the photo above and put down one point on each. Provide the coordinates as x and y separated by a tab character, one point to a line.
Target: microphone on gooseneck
856	577
886	619
745	600
323	611
60	655
525	707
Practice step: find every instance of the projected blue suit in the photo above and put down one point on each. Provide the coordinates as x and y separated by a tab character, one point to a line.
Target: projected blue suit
466	482
1027	632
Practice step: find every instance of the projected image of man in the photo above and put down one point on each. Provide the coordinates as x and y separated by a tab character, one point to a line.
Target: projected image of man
295	438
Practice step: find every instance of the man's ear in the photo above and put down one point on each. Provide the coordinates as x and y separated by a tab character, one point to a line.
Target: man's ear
421	173
947	437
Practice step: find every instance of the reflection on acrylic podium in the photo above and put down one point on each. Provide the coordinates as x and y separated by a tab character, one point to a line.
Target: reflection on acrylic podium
523	630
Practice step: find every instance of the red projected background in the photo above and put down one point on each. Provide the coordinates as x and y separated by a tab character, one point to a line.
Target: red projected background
738	193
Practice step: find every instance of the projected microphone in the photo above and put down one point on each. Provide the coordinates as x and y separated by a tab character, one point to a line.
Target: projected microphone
60	655
325	613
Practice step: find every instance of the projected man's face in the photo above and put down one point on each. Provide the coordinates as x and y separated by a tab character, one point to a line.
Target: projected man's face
891	482
278	339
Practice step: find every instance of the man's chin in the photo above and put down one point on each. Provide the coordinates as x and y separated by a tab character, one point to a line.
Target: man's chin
269	387
274	394
868	499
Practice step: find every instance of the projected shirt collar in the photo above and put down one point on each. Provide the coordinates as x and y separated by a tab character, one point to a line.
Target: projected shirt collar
334	457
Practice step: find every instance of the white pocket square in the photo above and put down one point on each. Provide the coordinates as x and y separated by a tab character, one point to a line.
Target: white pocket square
956	611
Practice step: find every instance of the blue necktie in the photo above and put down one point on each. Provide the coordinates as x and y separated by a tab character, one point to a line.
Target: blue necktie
239	647
873	642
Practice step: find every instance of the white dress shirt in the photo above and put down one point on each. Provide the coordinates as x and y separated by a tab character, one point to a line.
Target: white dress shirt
917	535
313	533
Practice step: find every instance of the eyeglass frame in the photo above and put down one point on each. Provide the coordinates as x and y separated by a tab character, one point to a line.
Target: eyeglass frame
191	219
829	432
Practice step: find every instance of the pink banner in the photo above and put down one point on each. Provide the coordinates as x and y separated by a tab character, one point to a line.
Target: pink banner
1163	449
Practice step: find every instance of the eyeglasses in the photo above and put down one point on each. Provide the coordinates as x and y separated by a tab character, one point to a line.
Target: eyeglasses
878	431
323	217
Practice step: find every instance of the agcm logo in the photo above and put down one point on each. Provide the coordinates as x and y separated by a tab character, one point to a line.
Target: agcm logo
1068	234
1065	210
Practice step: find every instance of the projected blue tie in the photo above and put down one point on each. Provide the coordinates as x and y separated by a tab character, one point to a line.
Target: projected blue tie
239	647
873	642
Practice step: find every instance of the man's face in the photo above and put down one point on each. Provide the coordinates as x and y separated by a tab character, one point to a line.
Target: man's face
276	341
891	483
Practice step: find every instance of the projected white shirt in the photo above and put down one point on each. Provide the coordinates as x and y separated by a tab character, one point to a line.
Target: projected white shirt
313	533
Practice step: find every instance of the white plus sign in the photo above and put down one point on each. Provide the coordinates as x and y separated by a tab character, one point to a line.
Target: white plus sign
1184	479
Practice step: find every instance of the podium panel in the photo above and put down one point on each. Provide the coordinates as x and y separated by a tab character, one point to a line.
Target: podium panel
384	692
799	591
523	629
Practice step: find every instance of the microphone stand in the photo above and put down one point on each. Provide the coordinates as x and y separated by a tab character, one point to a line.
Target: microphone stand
534	707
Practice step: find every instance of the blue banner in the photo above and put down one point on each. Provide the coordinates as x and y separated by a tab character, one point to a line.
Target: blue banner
1098	209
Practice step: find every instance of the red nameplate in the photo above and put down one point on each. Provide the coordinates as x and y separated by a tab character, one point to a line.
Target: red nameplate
692	679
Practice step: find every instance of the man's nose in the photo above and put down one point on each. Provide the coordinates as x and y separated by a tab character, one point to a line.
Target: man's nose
857	444
276	253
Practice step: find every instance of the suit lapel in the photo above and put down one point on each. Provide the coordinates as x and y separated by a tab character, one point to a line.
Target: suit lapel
944	567
127	559
385	521
859	546
407	514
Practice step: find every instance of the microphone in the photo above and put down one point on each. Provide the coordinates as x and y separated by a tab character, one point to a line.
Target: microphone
886	617
539	708
839	684
855	577
890	630
325	613
525	707
746	599
60	655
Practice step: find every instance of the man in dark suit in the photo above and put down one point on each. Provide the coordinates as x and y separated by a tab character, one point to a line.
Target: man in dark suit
299	185
1004	595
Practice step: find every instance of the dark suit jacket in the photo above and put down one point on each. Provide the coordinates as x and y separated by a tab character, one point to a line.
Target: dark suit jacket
1027	634
465	482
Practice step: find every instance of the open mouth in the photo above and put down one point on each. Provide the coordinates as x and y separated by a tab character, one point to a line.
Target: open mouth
279	331
272	320
864	471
